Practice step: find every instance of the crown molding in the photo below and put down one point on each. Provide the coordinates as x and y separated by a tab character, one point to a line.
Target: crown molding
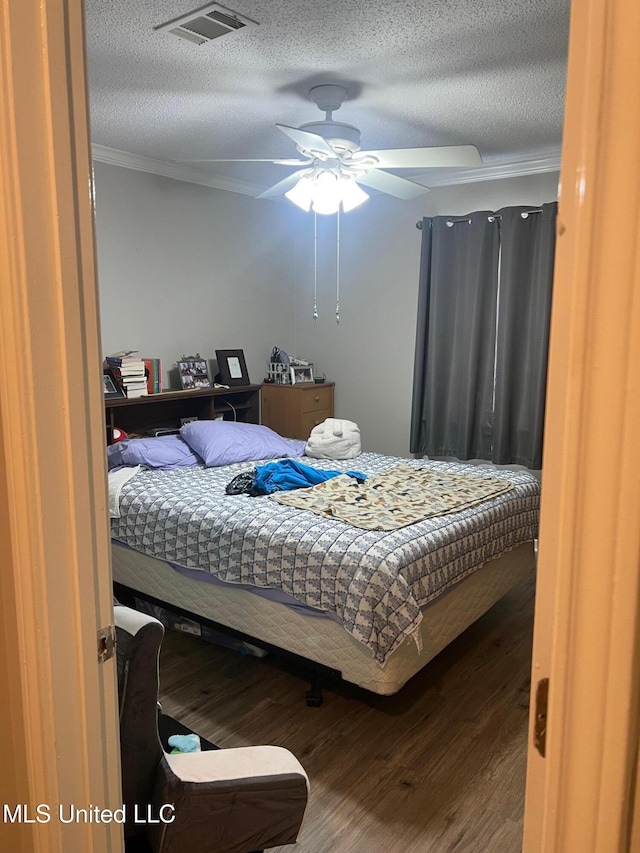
177	171
495	172
181	172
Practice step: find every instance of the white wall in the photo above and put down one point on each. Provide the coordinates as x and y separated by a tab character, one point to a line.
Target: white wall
184	268
370	353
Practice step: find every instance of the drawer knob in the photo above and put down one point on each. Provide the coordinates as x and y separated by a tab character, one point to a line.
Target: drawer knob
317	398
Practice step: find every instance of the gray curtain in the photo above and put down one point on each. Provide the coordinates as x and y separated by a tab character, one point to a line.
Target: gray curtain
455	342
524	309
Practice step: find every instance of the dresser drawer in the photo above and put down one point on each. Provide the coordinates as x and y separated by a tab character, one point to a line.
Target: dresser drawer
308	420
316	399
294	410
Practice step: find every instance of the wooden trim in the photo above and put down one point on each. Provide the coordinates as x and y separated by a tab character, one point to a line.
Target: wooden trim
62	708
634	830
586	632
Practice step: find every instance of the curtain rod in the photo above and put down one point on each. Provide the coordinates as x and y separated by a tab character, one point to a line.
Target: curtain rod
524	214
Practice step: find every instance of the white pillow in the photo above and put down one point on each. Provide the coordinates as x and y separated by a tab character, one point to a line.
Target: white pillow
334	439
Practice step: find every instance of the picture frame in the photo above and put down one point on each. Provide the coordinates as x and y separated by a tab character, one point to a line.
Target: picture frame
301	374
110	385
193	372
232	367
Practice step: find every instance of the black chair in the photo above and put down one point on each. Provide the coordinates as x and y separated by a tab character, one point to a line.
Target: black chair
213	801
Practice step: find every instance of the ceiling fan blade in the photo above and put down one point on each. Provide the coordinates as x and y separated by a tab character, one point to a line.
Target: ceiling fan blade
425	158
312	142
236	160
283	185
391	184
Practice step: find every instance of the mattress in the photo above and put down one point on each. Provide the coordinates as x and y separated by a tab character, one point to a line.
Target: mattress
325	641
375	582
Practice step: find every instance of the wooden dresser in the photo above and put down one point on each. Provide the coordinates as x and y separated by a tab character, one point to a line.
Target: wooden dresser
294	410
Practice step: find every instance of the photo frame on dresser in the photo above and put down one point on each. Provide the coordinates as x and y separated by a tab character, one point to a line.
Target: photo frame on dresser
301	374
110	384
193	372
232	367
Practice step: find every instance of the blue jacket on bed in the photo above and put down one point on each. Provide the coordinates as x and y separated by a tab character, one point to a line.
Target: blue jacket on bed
286	474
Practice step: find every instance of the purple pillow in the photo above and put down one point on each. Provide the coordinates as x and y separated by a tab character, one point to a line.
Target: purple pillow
225	442
165	451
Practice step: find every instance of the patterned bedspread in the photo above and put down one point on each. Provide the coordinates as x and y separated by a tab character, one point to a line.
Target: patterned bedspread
374	581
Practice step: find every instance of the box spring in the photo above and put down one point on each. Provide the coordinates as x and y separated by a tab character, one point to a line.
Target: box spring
325	641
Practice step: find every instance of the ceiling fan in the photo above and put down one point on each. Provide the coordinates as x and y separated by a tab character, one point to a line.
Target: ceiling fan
334	167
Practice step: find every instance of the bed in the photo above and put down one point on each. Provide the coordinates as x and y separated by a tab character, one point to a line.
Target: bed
370	606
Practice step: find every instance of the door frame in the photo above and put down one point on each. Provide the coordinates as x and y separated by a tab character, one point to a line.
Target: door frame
60	725
55	585
581	796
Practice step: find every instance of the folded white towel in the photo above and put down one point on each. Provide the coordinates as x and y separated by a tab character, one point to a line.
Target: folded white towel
334	438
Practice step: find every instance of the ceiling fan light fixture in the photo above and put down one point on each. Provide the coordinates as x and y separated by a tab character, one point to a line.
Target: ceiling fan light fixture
352	194
302	193
324	192
327	193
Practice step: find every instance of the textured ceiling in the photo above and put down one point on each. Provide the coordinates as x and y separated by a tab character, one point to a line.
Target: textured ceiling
419	72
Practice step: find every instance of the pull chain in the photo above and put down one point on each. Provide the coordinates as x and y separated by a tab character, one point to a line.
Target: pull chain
338	267
315	267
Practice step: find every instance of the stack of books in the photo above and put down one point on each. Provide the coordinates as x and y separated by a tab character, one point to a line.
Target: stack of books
129	369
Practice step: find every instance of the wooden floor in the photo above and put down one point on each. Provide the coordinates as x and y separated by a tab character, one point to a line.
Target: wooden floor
438	767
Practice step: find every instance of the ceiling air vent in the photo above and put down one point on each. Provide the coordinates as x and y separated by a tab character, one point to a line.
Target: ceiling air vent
205	24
